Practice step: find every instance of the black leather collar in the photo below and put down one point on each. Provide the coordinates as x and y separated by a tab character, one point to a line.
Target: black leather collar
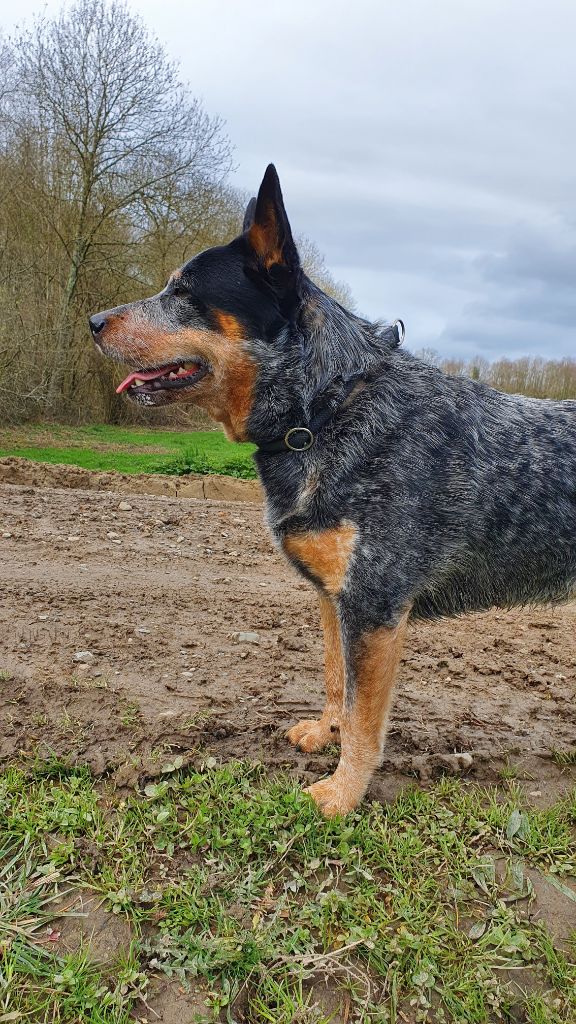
301	438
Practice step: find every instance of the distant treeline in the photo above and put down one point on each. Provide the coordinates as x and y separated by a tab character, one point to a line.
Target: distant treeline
532	376
112	174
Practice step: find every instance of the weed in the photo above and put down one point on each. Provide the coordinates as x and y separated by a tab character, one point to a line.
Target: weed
130	715
564	758
196	460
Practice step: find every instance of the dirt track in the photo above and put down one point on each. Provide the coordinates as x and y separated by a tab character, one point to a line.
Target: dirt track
157	595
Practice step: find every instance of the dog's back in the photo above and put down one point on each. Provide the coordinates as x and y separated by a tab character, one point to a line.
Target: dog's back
469	494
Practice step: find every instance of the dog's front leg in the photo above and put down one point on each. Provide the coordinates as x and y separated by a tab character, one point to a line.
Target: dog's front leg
371	659
313	734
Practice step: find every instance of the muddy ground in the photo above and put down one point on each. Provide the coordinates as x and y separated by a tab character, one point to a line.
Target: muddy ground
120	630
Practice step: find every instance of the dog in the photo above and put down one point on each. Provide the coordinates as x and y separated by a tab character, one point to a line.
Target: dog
398	491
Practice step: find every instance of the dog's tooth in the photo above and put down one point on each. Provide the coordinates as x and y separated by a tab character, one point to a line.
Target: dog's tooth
139	383
181	370
172	375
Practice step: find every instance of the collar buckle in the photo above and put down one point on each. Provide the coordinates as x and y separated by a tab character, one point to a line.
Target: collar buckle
309	441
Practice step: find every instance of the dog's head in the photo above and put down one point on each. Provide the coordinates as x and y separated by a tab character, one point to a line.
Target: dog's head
195	340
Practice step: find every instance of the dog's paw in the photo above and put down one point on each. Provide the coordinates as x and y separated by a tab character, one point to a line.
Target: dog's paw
311	735
333	796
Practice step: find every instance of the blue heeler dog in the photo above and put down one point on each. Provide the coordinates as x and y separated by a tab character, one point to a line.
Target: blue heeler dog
398	491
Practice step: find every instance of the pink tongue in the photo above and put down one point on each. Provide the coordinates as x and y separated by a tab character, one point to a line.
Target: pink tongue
145	375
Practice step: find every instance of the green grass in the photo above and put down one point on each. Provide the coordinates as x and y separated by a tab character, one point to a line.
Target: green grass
233	884
123	450
564	758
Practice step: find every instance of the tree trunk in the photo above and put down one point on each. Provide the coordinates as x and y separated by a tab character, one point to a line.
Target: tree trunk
63	330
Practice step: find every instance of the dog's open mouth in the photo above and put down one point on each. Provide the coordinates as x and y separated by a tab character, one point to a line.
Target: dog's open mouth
173	377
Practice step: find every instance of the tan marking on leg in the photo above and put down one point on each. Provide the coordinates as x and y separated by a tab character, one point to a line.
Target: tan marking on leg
363	726
325	553
309	734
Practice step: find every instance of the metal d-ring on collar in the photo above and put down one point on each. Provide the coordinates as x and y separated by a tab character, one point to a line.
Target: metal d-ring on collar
325	413
400	330
307	435
299	430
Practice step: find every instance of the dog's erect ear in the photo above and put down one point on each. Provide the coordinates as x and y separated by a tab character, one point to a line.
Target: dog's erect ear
268	234
249	215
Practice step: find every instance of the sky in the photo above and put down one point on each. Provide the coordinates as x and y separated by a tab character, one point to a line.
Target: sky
429	149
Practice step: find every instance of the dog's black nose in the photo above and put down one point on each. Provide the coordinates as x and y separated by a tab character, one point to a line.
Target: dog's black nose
97	323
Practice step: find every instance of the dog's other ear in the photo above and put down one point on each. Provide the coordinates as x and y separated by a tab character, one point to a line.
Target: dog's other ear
268	235
249	215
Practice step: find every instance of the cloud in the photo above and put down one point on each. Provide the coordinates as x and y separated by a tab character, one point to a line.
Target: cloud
545	255
527	298
426	148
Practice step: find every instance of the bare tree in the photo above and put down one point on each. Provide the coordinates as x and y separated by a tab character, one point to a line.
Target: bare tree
177	223
528	375
114	127
111	175
7	80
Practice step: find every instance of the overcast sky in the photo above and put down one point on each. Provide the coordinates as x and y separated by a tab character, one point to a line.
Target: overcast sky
428	148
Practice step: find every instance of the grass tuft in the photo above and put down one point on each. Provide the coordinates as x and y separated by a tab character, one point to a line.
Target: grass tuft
193	459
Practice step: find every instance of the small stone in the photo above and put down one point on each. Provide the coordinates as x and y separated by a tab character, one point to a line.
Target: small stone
84	656
247	638
125	506
112	535
464	760
6	534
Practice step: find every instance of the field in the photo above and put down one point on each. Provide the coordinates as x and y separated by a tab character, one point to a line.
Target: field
129	450
158	861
